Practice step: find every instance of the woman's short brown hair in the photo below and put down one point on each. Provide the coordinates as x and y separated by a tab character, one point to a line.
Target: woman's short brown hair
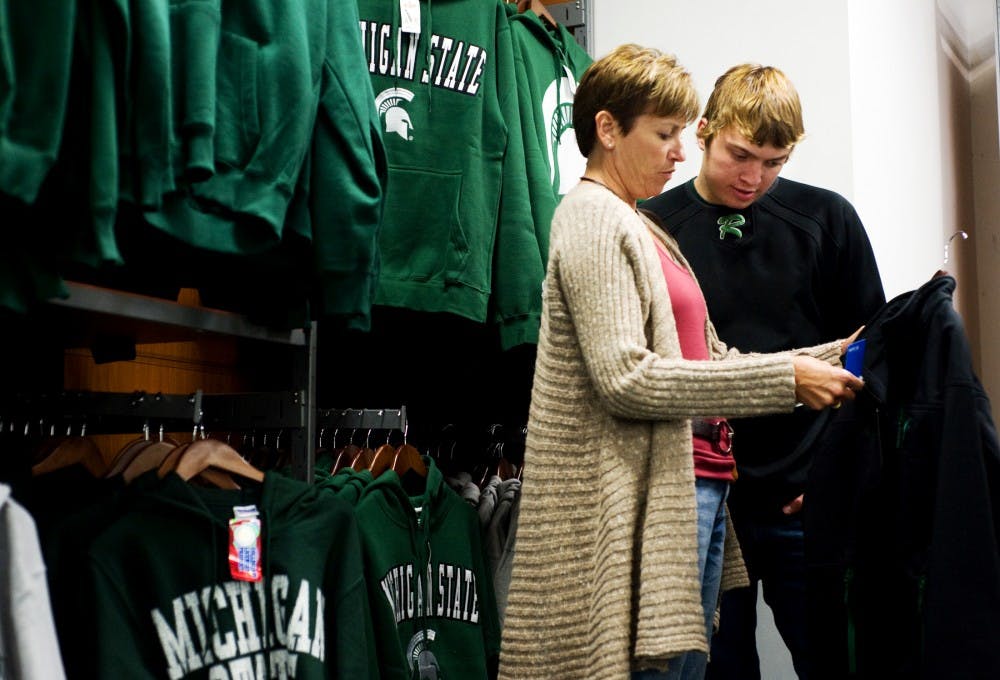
628	82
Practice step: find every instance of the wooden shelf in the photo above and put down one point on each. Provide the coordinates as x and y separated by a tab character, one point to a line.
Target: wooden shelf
92	311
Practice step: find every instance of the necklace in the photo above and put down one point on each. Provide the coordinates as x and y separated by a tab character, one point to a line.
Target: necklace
584	178
595	181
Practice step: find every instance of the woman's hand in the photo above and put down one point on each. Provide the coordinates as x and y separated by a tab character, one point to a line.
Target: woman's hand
818	384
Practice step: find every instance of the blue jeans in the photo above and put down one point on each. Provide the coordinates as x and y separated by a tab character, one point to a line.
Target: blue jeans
774	552
710	495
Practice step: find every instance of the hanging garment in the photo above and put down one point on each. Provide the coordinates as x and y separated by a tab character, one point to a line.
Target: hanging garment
500	537
457	232
428	584
903	508
167	603
36	45
36	53
28	646
549	63
71	512
239	142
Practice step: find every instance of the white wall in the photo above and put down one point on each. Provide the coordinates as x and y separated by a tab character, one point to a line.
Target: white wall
896	142
865	72
709	36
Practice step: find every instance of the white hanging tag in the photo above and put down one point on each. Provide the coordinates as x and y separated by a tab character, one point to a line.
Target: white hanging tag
409	14
572	80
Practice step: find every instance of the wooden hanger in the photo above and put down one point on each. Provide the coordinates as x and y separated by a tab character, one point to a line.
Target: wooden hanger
363	459
408	458
72	451
505	469
150	458
216	478
538	7
47	446
382	459
345	457
211	453
126	454
134	449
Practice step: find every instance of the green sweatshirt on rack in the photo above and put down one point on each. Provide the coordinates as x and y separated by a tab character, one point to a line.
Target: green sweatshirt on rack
457	234
36	47
165	605
347	179
551	64
430	590
247	84
36	44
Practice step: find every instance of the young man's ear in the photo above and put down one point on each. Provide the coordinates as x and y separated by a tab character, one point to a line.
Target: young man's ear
701	125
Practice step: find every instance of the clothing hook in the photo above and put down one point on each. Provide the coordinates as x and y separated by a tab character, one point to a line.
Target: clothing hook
947	243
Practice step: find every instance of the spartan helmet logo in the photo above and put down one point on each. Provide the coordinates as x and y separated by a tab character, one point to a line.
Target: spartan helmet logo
397	120
423	664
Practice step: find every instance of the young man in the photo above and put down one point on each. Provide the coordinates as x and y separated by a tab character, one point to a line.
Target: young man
782	265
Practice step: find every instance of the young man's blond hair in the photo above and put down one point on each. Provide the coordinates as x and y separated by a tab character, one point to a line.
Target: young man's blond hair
759	102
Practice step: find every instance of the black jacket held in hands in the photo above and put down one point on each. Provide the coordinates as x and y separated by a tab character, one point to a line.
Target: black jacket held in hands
902	513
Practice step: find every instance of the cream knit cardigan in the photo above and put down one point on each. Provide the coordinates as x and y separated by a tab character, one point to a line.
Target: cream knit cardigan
605	575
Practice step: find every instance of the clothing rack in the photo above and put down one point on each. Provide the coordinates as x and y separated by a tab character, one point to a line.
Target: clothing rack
101	412
282	411
363	418
574	15
112	322
117	413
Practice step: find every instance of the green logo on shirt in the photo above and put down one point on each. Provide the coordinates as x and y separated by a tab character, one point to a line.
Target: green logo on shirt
730	224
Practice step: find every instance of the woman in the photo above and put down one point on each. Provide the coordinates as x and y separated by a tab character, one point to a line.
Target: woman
612	575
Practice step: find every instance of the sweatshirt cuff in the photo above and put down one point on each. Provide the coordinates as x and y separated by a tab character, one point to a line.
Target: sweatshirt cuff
520	330
348	297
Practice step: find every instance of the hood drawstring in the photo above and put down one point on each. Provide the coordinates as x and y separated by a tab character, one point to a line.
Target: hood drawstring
398	58
213	608
555	38
418	510
400	53
268	589
426	664
427	56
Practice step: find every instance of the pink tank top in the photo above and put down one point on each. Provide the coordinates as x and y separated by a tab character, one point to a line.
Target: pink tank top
690	315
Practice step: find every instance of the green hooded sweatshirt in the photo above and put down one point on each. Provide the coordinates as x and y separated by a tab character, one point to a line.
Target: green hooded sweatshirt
272	138
428	584
36	47
36	44
552	63
457	233
165	605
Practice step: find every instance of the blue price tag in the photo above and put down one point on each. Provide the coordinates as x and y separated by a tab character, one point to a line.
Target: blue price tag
854	358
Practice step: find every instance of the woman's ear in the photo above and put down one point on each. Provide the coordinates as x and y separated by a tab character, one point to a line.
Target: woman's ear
607	129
